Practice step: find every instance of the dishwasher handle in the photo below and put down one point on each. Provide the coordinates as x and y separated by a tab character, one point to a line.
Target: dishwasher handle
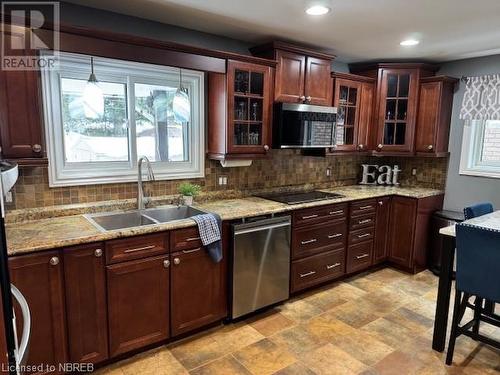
21	352
258	229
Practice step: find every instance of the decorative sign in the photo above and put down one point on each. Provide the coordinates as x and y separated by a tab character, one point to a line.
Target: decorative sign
380	175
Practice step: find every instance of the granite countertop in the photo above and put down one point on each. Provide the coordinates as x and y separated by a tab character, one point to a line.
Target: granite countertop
488	221
63	231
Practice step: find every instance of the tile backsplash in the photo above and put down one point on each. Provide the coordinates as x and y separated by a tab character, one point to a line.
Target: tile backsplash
282	169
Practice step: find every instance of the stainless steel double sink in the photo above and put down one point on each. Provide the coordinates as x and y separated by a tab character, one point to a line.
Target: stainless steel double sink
129	219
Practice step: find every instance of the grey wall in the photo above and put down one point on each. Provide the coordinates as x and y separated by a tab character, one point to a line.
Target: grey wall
464	190
77	15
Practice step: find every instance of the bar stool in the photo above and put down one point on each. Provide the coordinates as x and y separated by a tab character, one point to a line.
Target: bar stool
478	262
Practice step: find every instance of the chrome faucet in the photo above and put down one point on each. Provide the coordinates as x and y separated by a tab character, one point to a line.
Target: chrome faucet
142	200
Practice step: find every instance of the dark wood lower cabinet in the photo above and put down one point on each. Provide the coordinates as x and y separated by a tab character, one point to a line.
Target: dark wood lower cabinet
317	269
381	229
39	277
138	303
402	230
198	295
86	309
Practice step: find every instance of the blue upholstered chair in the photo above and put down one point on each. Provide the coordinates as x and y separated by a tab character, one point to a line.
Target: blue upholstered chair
478	265
478	209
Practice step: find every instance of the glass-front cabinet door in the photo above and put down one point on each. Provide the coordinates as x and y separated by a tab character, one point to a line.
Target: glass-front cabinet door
347	101
397	105
248	108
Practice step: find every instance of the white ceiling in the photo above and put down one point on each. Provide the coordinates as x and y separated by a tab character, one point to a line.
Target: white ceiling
355	30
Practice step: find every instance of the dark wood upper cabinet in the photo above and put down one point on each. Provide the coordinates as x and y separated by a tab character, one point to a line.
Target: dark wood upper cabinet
198	294
353	97
434	115
393	128
86	308
20	108
239	120
302	74
290	77
39	277
381	232
138	303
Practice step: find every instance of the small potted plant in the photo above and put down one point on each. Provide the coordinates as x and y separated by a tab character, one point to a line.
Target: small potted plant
188	191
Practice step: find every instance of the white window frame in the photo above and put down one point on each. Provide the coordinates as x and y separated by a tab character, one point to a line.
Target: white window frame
72	65
472	147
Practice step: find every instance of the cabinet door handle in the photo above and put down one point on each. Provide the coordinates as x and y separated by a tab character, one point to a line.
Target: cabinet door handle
36	148
330	266
336	235
364	221
308	98
362	256
54	261
177	261
191	239
361	146
430	147
266	147
166	263
380	146
312	240
364	207
98	253
309	217
338	212
364	235
380	203
310	273
139	249
302	97
190	251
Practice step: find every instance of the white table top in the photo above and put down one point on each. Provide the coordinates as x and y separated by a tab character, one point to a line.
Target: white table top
490	221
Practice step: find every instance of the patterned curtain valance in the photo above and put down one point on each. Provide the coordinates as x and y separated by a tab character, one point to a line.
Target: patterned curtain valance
481	98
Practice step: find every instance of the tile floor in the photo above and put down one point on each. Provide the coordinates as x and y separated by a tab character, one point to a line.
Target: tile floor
375	323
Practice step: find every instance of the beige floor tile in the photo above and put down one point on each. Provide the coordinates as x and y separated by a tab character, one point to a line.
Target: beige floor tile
337	294
410	319
398	363
330	359
297	368
297	339
389	333
299	310
270	323
354	314
264	357
225	365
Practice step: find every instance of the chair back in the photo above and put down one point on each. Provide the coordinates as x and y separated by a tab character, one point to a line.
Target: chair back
478	261
478	209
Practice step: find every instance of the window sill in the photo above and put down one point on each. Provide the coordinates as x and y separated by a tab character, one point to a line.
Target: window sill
479	173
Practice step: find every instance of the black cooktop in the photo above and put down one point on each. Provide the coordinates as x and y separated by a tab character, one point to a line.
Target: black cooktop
300	197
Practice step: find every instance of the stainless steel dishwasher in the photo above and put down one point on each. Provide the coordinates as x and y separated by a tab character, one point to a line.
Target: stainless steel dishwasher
261	264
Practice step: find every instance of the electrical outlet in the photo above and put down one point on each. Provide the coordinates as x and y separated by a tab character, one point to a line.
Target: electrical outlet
222	180
328	172
8	197
414	172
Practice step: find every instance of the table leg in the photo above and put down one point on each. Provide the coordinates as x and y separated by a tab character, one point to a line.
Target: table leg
444	291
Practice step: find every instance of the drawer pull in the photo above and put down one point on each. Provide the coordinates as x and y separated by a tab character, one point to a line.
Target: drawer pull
364	207
364	221
336	235
330	266
364	235
139	249
312	240
310	273
54	261
190	251
98	253
338	212
309	217
193	239
362	256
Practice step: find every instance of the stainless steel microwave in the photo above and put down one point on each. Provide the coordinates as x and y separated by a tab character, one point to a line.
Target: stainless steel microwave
303	126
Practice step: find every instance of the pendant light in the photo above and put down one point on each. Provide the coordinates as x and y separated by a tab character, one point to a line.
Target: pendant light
181	105
93	97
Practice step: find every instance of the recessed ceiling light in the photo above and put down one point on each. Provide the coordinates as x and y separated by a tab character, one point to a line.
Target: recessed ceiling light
317	10
409	42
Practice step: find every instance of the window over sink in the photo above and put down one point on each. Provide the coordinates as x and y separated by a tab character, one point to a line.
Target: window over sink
481	148
137	120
